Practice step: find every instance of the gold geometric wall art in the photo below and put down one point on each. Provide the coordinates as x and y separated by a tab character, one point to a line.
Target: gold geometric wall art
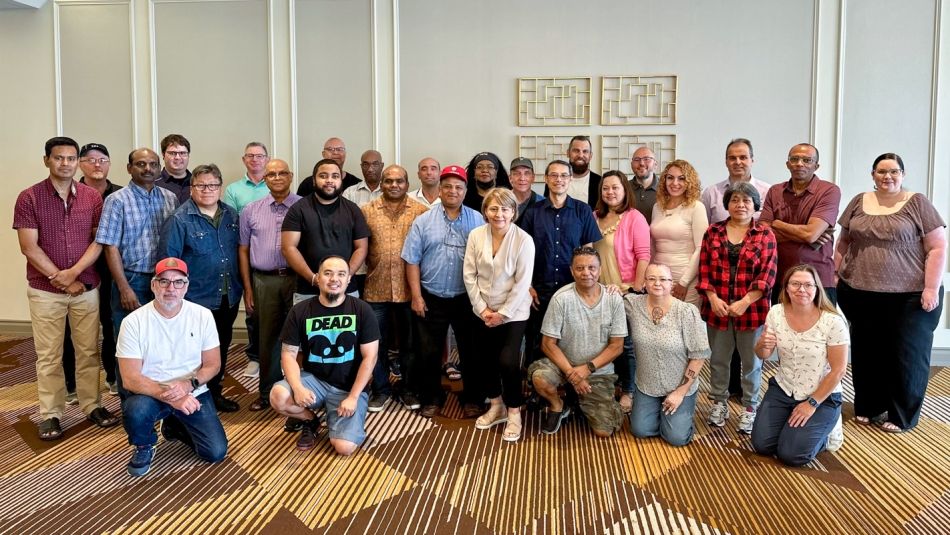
616	150
541	150
554	101
638	100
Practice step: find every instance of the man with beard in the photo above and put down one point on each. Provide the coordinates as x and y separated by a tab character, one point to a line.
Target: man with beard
644	181
167	351
321	225
585	184
333	149
129	230
337	336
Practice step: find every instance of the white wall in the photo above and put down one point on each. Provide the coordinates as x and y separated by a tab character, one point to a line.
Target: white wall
422	77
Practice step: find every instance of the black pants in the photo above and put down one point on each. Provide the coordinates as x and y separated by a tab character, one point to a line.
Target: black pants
432	331
890	359
498	370
224	317
393	317
532	331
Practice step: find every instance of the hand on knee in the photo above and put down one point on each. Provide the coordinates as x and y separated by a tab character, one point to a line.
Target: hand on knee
343	447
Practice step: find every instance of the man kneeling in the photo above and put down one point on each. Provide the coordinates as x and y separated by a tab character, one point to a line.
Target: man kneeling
338	336
167	350
583	331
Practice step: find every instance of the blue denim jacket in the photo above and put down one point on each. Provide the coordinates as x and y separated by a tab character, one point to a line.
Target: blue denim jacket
211	254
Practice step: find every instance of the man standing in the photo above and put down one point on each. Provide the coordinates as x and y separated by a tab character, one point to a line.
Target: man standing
167	351
558	224
333	149
434	253
129	230
238	195
322	225
338	338
56	221
802	213
389	219
644	181
428	192
585	184
583	333
176	178
521	174
268	281
371	165
204	233
94	164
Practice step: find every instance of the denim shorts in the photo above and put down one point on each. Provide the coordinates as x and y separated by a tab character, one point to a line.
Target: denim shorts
351	429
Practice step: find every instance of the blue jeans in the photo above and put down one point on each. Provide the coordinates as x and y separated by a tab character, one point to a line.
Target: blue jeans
648	419
140	412
794	446
141	284
326	396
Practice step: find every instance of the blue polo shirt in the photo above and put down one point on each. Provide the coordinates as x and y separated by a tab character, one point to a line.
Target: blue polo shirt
437	245
556	232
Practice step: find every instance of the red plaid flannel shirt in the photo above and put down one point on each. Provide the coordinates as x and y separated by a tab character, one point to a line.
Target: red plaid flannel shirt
758	263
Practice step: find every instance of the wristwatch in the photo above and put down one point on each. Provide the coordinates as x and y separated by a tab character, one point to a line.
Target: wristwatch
194	383
590	367
812	401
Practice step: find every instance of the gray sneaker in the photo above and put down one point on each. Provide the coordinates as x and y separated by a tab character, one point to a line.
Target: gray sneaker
72	398
836	437
746	421
377	402
719	414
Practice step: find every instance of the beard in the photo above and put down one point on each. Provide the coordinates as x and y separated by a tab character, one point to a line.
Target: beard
333	297
327	196
579	167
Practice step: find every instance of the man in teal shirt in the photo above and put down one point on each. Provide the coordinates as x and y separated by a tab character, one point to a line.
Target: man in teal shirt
239	194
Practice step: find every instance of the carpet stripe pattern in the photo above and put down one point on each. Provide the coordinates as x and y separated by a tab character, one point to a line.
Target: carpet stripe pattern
415	475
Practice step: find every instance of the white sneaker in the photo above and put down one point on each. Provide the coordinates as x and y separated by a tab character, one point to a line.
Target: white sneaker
746	420
253	369
719	414
836	437
113	388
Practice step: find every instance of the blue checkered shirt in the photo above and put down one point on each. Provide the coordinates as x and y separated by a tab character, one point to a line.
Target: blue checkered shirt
132	220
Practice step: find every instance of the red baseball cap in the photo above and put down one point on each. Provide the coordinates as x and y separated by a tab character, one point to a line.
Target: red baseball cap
169	264
454	171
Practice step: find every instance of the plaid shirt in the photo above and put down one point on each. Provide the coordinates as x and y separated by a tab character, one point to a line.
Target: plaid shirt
757	268
131	220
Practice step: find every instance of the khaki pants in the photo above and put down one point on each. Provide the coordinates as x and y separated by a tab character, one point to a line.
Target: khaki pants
48	312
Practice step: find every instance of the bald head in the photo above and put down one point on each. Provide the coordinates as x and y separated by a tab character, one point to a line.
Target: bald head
371	164
643	162
278	177
335	149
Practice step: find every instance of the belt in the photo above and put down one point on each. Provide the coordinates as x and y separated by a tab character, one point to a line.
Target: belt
282	272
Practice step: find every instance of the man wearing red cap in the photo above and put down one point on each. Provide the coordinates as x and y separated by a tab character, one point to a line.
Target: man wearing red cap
434	253
167	351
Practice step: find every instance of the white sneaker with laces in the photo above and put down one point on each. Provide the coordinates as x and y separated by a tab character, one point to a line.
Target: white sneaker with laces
719	414
746	420
253	369
836	437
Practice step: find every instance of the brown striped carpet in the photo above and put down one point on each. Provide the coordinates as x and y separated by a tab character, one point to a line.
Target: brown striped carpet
442	476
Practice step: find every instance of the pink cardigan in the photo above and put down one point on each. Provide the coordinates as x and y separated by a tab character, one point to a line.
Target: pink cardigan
631	243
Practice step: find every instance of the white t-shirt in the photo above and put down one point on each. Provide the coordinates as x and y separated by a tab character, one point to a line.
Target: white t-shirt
803	357
168	348
578	188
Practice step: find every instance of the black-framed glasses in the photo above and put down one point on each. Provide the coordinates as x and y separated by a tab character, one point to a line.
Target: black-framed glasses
178	284
206	187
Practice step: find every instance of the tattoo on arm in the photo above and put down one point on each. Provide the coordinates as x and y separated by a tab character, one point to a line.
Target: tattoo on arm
688	376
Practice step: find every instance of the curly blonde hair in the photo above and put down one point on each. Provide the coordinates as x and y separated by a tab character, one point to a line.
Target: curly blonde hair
693	186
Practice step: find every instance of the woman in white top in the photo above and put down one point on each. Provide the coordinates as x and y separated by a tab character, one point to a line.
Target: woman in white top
800	414
499	260
677	226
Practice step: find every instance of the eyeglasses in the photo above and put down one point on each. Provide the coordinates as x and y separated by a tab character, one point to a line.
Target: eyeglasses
146	165
887	172
94	161
808	286
256	156
281	174
555	176
206	187
177	153
178	284
334	149
485	167
799	159
661	280
645	159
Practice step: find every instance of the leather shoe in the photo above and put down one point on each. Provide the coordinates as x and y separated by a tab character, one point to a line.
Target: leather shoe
259	405
429	411
224	404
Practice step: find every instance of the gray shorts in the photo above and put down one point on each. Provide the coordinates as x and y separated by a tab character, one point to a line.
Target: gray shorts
351	429
599	407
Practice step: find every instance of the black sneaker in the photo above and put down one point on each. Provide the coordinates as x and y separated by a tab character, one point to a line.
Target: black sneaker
552	420
395	369
292	425
410	401
141	461
377	401
308	434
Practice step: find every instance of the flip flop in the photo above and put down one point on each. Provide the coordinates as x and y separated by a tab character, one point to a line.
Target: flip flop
50	429
889	427
451	371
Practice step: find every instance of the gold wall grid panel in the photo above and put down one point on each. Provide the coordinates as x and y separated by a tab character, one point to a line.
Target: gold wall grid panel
541	150
638	99
554	101
616	150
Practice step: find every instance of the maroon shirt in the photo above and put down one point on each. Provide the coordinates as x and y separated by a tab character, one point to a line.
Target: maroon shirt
820	199
66	229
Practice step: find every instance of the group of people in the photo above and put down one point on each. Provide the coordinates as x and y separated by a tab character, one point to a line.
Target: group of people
607	294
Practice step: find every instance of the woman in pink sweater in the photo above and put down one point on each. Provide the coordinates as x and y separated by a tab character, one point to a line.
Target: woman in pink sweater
625	253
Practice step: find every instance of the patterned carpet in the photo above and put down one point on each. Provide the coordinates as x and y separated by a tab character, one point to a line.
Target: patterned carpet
443	476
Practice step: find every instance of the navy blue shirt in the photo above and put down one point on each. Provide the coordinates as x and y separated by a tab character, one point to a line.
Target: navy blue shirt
211	253
556	232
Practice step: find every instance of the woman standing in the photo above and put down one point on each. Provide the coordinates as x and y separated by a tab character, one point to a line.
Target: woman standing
672	348
625	253
677	226
484	173
737	270
499	259
890	260
801	412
